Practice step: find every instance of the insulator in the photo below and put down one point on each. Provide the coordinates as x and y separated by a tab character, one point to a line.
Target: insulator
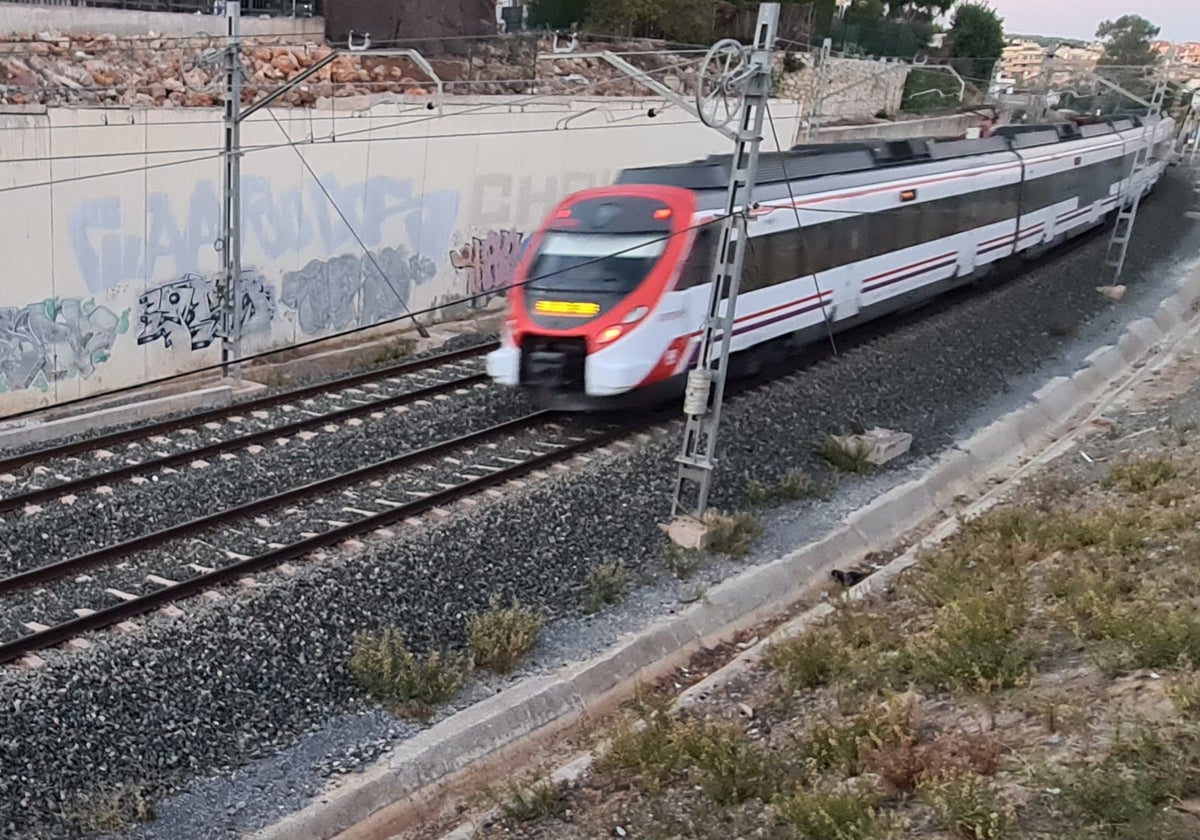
695	400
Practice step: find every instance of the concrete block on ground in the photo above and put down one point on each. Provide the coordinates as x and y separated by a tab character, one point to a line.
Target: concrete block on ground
1107	361
482	729
878	446
1057	399
600	674
893	513
688	532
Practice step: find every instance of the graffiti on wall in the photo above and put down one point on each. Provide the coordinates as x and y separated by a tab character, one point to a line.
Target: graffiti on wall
116	244
55	339
506	199
349	291
188	310
489	264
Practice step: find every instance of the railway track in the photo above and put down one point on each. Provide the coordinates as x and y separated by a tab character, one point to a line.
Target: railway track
122	581
246	423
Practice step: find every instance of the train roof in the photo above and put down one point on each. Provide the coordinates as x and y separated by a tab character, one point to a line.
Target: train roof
823	159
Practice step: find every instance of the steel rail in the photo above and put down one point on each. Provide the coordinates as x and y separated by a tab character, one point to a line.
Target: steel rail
79	485
62	568
109	616
114	438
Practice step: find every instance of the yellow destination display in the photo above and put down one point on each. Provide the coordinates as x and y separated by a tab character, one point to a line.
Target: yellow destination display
566	307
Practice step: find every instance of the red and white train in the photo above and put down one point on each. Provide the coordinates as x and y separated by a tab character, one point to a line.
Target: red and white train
610	296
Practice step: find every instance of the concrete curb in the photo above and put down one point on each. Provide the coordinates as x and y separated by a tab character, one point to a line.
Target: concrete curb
43	432
740	602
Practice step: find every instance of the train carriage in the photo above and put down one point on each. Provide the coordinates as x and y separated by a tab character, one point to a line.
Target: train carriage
610	296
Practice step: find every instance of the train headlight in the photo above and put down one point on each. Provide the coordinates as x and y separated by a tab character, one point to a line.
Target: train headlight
610	334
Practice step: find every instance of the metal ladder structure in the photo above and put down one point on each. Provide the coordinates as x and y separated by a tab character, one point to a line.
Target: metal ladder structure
1118	244
748	80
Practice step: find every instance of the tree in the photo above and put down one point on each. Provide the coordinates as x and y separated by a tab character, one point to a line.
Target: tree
976	41
1127	41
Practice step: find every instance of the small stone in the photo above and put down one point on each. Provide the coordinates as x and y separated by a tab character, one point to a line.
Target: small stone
103	454
171	611
139	480
352	546
126	627
330	429
104	490
199	464
354	421
33	510
1114	292
8	478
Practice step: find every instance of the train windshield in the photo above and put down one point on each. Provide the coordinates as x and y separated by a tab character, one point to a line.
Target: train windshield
594	262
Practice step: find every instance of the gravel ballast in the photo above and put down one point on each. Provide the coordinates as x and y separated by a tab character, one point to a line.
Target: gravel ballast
249	701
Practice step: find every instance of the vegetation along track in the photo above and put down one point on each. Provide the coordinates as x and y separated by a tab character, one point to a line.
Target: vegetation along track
433	376
456	468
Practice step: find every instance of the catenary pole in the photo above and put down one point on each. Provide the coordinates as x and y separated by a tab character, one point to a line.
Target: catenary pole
751	80
230	242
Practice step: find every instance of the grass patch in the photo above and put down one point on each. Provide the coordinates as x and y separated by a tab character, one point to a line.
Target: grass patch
501	637
526	803
719	758
682	562
606	584
1122	796
112	810
794	486
393	351
1141	475
967	805
846	455
831	816
733	535
385	667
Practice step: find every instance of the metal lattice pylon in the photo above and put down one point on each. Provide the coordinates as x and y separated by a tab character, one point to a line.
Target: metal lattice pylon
1118	244
706	382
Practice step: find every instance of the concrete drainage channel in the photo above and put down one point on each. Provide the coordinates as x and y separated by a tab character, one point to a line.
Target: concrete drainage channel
495	735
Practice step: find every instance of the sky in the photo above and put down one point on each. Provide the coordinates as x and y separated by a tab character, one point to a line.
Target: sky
1179	19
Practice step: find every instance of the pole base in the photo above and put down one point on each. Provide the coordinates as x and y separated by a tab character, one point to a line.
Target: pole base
687	532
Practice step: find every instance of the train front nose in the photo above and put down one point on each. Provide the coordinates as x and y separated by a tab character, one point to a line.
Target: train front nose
553	363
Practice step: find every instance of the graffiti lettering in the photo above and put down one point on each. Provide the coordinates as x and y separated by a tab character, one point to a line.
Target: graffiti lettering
489	264
108	251
55	339
492	196
191	306
349	291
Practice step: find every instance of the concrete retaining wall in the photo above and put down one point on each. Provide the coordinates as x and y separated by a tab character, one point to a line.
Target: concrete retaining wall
111	216
27	18
951	126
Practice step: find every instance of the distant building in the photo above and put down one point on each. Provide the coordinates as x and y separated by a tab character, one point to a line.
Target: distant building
1022	61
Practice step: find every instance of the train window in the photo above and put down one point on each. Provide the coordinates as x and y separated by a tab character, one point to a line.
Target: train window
698	266
586	262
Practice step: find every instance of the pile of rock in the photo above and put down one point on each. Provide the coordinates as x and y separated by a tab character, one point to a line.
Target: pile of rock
155	71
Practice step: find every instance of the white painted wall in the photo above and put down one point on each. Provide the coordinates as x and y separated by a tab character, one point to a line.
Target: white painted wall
112	215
